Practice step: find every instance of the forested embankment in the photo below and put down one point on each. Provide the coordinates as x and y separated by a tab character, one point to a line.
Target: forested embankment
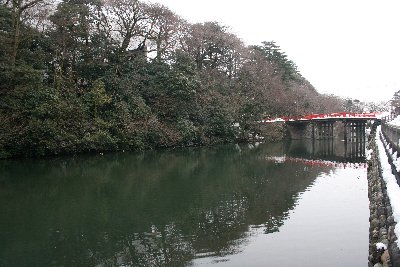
90	75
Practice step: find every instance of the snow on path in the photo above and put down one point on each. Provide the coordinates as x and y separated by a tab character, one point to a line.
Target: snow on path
393	189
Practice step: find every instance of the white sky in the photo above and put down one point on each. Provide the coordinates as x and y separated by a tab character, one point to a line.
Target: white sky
349	48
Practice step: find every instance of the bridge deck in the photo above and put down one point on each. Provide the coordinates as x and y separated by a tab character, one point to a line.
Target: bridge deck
340	116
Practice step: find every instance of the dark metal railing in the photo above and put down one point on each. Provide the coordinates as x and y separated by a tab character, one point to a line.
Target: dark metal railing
392	134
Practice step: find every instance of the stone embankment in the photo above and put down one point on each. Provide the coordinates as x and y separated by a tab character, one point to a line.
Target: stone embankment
383	250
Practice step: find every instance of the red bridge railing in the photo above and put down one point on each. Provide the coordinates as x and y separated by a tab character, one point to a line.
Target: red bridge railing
338	115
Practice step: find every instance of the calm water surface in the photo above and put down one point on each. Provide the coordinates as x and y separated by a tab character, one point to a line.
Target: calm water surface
282	204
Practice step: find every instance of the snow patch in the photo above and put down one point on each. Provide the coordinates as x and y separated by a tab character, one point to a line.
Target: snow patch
369	154
382	115
393	189
381	246
278	160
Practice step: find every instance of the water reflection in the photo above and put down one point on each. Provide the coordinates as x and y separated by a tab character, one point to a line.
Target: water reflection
149	209
329	149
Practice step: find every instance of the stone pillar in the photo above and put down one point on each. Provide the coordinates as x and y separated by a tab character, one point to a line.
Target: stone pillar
312	130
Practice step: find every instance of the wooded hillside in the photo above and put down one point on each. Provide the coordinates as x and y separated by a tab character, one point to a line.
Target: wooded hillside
92	75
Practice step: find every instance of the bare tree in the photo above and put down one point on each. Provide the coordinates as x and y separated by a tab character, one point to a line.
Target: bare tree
163	30
212	46
18	10
37	17
127	20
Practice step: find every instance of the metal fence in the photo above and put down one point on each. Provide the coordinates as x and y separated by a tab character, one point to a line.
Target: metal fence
392	134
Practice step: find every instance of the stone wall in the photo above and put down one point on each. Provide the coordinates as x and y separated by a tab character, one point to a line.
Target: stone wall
381	218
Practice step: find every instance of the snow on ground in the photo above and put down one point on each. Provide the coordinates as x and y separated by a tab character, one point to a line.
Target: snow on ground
274	120
381	246
393	188
395	122
369	154
382	115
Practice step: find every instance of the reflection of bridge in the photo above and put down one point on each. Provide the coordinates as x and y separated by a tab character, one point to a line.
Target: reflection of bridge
332	150
321	126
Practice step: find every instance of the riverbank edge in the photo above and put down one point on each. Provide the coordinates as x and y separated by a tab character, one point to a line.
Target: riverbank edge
266	133
382	224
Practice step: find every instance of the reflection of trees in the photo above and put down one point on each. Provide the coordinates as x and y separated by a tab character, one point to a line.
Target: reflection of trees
159	247
152	209
220	229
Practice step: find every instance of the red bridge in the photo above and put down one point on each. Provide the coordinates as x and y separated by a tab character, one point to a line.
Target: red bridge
321	126
327	117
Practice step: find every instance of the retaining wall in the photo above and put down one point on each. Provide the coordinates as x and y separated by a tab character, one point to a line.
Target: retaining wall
381	218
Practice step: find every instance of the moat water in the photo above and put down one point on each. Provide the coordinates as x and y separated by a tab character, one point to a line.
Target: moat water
282	204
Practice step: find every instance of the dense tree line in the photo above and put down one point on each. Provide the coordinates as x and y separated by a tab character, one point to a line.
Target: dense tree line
98	75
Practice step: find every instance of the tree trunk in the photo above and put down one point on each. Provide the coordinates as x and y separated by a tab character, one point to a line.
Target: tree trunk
16	21
17	31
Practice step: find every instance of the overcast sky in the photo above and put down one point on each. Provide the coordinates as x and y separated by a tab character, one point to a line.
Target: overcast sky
349	48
